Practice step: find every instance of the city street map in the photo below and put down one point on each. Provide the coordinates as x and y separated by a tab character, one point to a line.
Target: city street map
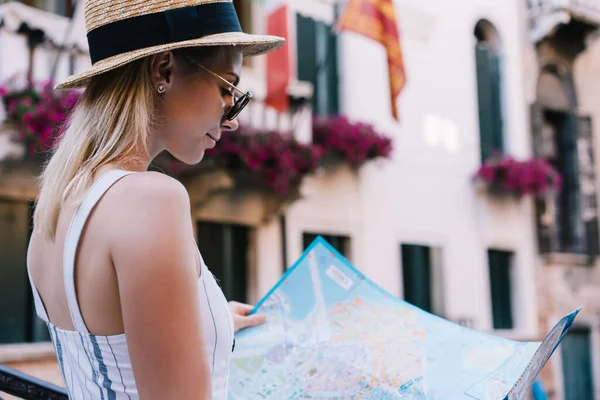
331	333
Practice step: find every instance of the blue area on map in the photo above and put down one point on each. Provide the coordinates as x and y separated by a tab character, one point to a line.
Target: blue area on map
333	333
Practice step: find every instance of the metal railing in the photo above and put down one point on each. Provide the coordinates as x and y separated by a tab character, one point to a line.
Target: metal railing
297	121
587	10
23	386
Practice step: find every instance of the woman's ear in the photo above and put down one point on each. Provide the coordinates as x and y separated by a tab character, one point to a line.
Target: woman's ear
161	70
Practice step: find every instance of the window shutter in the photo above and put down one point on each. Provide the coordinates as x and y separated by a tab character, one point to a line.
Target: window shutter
14	286
543	147
331	69
486	105
225	250
318	63
306	42
340	243
587	185
416	274
577	368
496	101
500	287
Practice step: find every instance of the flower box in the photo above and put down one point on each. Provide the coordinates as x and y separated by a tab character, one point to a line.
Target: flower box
502	174
36	114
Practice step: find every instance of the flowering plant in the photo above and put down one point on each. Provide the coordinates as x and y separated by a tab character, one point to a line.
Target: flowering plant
278	162
271	158
536	177
37	113
355	143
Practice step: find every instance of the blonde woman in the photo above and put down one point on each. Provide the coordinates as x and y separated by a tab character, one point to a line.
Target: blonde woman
132	309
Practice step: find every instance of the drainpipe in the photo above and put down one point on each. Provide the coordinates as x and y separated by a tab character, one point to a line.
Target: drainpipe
283	227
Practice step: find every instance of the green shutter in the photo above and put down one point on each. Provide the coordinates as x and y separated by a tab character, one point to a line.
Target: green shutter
496	100
327	70
318	63
305	43
336	241
500	287
224	248
577	365
489	100
571	224
416	274
15	302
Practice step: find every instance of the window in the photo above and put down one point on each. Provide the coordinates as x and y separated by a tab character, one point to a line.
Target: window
225	249
18	321
568	223
318	63
489	89
340	243
500	265
577	365
569	227
421	277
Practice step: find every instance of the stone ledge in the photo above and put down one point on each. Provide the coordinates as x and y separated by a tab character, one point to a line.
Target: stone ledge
13	353
567	259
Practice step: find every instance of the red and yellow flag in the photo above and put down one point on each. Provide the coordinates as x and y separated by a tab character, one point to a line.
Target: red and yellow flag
376	19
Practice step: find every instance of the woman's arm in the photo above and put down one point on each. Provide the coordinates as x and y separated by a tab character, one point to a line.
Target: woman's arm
157	274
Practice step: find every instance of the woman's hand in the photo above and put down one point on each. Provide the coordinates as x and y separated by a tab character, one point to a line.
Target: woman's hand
241	319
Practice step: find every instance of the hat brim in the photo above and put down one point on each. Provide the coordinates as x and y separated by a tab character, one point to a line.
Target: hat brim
252	45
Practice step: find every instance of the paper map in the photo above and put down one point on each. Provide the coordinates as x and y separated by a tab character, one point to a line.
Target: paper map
331	333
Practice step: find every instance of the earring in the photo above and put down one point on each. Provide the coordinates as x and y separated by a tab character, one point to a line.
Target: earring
161	88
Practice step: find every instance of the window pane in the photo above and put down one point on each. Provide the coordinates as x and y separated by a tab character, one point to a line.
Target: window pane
416	274
317	63
500	286
489	100
340	243
14	288
224	248
577	365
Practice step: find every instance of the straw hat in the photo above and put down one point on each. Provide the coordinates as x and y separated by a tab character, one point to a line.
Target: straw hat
121	31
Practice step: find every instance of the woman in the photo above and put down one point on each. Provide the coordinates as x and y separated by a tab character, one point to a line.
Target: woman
132	309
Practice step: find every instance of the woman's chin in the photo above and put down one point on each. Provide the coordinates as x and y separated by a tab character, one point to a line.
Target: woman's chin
190	159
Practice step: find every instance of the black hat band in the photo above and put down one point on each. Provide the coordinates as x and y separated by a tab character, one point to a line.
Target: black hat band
171	26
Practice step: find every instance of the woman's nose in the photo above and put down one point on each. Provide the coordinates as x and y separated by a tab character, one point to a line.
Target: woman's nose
230	125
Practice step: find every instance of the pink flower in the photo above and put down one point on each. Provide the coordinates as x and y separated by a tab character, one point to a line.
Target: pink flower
533	177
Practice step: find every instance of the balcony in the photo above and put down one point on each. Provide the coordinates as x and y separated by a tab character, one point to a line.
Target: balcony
586	11
297	120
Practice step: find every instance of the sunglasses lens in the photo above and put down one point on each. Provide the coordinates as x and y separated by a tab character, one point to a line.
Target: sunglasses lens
238	107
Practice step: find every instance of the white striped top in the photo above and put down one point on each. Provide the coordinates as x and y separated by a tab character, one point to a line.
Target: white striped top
99	367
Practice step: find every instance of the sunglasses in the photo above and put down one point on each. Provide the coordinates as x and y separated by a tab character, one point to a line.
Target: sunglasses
239	103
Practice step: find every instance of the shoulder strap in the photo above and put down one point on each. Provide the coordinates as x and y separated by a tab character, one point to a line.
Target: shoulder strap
78	221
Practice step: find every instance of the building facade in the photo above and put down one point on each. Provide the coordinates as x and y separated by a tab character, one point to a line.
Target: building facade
416	224
562	55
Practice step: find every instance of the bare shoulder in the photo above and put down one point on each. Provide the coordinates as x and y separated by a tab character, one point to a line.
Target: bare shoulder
149	190
146	209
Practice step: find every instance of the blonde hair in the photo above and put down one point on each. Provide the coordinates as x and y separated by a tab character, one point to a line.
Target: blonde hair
113	116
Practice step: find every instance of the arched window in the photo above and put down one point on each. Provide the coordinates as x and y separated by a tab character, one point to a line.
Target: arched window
489	88
564	138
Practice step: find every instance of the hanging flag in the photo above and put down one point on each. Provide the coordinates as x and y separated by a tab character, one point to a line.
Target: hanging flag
278	62
376	19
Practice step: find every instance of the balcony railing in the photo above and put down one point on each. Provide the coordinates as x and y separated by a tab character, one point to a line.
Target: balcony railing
297	120
585	10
